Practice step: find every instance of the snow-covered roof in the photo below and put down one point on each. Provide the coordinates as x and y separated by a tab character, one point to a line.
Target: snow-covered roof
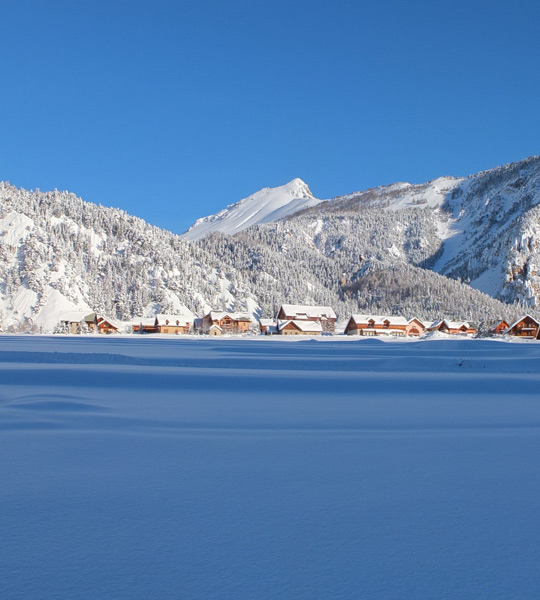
300	311
172	319
305	326
267	322
218	315
423	323
494	324
144	321
450	324
115	324
521	319
456	324
380	319
76	316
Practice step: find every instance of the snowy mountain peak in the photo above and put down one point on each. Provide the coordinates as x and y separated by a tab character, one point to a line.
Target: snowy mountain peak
298	188
269	204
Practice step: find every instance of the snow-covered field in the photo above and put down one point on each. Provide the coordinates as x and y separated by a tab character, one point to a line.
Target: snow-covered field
134	468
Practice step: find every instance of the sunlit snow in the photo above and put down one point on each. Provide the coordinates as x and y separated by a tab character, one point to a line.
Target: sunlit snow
265	206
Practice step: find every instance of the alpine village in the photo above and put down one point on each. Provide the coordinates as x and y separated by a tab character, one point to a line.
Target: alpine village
291	320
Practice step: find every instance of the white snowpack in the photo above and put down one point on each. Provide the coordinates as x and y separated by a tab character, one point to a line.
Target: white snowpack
433	196
14	227
23	301
491	281
138	467
265	206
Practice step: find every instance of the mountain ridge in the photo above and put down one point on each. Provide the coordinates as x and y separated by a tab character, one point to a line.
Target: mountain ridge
367	251
268	204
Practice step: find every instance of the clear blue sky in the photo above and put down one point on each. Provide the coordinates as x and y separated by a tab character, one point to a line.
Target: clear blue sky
172	110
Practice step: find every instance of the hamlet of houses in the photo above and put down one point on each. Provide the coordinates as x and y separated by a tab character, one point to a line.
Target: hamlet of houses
291	319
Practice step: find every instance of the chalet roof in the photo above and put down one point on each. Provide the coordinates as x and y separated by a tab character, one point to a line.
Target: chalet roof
145	321
112	323
305	326
76	316
182	319
521	319
267	322
456	324
380	319
216	315
423	323
299	311
450	324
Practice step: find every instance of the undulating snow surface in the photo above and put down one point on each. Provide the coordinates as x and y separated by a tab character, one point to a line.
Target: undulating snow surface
136	468
265	206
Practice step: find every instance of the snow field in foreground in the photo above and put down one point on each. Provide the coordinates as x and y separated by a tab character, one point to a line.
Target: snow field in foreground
147	468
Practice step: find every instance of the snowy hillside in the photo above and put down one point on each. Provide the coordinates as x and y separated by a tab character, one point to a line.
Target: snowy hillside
373	250
59	253
481	229
484	228
494	232
399	196
269	204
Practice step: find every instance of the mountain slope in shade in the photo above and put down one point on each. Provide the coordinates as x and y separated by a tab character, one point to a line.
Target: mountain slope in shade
265	206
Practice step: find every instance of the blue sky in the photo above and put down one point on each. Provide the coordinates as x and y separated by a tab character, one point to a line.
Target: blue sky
172	110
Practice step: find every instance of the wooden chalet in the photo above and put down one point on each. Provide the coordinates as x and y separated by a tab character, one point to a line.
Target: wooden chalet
80	321
453	327
178	324
77	321
526	327
163	324
500	327
373	325
105	326
324	315
228	322
299	328
145	325
415	327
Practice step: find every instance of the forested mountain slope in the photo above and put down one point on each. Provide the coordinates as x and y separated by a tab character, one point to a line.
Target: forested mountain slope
371	250
483	229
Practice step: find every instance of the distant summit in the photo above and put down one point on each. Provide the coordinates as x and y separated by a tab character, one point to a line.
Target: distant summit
265	206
